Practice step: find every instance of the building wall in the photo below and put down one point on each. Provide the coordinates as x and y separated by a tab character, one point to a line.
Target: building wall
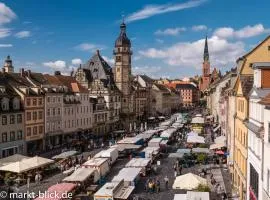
240	148
266	157
12	132
231	127
53	118
34	122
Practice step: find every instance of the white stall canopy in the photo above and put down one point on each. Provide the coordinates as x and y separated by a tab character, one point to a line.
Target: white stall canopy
82	174
195	139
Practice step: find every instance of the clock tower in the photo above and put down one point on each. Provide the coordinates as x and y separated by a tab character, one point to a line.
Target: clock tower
122	52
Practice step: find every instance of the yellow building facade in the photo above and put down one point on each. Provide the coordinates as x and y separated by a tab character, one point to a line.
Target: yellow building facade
243	85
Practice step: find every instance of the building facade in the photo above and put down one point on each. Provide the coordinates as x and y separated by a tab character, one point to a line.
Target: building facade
189	94
12	121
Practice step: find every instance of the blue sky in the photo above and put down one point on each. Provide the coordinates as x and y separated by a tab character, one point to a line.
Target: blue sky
167	36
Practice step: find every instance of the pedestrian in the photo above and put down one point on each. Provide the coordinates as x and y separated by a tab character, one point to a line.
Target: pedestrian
166	180
146	185
175	173
157	186
36	178
180	169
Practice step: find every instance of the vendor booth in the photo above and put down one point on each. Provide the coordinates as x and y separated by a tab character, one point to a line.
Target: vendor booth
83	175
144	163
150	152
100	164
114	191
154	142
111	154
197	123
168	134
129	175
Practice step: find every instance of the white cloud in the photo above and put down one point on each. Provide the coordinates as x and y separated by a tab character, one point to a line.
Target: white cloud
23	34
6	14
110	61
152	10
76	61
152	71
89	47
199	28
171	31
245	32
190	54
5	45
160	41
4	32
56	65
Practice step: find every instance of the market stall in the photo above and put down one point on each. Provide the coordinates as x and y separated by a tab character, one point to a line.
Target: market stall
188	181
83	175
12	159
65	155
196	139
26	164
197	123
144	163
131	140
114	191
129	175
111	154
192	195
100	164
151	152
155	142
168	134
59	191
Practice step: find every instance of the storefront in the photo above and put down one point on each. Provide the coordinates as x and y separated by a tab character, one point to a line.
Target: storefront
254	183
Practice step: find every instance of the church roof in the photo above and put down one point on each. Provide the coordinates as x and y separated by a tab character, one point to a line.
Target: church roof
122	39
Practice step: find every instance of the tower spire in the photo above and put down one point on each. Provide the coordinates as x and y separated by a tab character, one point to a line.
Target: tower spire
206	52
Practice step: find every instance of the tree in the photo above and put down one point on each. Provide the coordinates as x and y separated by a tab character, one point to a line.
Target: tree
203	188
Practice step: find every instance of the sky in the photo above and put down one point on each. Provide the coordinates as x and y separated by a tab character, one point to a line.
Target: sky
167	36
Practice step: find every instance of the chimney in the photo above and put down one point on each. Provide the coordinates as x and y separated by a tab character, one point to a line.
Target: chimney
97	52
22	72
57	73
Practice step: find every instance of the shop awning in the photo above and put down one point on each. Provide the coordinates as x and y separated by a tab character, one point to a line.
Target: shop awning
200	150
12	159
26	164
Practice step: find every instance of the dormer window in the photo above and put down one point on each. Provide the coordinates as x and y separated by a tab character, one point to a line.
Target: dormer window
5	104
16	104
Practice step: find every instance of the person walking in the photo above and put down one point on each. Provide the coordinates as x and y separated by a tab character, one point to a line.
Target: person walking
166	180
157	186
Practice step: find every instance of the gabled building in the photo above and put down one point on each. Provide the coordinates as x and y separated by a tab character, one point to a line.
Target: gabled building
242	87
96	75
255	125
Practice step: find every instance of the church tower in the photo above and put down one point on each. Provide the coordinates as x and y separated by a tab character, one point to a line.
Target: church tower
206	74
122	53
8	67
206	63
